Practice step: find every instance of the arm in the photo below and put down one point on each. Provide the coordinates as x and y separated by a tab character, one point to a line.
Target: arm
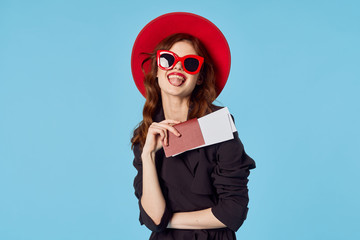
153	210
152	199
202	219
144	218
230	177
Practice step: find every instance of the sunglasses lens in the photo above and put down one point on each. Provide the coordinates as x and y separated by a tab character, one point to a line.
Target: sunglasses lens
191	64
166	60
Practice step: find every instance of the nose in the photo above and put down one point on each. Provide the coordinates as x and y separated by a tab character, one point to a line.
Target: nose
178	66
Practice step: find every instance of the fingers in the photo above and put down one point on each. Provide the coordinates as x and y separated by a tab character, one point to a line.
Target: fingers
161	129
166	125
154	129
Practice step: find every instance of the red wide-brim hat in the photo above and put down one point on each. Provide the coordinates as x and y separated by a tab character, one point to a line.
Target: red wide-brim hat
181	22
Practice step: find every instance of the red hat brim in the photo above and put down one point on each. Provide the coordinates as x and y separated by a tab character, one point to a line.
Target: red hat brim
182	22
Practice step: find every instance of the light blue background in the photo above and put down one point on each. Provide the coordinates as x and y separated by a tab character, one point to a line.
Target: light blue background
68	106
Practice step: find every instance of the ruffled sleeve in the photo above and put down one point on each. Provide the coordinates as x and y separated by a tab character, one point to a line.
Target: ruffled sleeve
230	178
144	218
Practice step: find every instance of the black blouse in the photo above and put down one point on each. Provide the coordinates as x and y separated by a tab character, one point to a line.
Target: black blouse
213	177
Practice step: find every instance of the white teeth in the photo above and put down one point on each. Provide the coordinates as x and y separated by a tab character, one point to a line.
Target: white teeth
176	76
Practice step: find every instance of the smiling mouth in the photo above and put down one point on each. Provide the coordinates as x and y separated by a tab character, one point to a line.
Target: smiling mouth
176	79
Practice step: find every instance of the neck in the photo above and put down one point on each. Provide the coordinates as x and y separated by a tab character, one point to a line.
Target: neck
175	108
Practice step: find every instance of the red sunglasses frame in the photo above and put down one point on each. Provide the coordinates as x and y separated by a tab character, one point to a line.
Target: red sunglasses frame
181	59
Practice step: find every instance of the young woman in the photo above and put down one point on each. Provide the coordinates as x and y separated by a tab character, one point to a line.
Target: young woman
201	193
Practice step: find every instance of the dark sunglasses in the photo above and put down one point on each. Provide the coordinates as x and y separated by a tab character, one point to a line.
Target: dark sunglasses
166	60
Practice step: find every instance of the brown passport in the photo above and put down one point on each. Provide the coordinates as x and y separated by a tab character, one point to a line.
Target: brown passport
191	137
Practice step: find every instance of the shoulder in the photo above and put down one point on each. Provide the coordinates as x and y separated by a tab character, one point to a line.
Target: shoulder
232	153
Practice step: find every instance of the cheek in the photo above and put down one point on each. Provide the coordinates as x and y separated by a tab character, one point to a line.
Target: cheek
161	77
161	73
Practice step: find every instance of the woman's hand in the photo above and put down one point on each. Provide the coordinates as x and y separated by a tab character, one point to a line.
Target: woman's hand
157	135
